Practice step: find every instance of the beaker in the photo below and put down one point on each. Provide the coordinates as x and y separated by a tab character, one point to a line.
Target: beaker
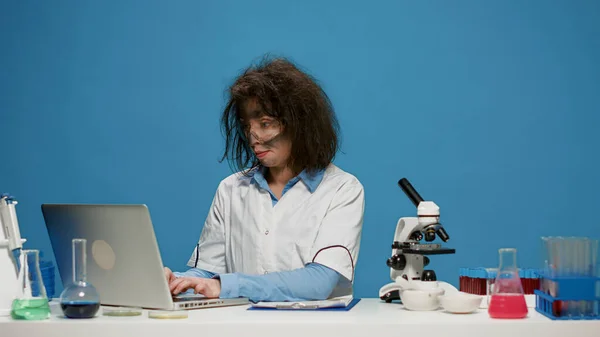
508	299
80	299
30	305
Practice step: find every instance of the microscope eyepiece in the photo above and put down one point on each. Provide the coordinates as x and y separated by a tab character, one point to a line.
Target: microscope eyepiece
410	191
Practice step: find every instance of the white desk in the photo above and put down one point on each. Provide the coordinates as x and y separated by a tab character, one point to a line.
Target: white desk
369	318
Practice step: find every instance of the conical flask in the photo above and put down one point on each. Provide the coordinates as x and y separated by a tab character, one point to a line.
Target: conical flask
32	303
508	298
80	299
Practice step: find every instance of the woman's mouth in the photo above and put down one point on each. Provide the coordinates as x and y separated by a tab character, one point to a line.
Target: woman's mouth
261	154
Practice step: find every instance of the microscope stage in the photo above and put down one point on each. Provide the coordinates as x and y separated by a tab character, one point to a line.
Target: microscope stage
436	251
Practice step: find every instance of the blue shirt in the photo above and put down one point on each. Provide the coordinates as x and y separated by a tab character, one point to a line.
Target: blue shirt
312	282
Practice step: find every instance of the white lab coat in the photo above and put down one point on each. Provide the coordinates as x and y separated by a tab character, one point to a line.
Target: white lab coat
245	233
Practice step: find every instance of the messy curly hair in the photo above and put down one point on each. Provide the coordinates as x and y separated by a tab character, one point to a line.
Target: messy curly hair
294	99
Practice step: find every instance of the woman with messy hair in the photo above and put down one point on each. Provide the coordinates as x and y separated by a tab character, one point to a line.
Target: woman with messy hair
287	225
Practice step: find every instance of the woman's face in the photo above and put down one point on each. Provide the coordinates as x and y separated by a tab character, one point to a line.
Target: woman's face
265	136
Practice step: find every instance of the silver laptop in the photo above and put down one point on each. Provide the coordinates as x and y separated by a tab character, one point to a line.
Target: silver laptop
123	259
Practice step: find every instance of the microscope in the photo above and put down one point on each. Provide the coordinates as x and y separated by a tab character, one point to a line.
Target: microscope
409	255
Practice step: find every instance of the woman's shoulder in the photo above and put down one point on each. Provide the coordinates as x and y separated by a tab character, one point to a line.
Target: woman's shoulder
337	176
237	179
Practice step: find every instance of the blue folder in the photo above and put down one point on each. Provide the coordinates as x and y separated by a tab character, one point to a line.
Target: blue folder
346	308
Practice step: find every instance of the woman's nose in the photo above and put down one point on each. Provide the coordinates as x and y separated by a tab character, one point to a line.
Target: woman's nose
253	138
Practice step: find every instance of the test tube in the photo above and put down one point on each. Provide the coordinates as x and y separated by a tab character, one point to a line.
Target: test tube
526	282
545	264
471	282
593	255
554	270
470	279
483	284
581	262
568	250
579	307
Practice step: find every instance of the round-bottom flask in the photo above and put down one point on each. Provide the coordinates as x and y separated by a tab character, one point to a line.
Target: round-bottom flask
80	299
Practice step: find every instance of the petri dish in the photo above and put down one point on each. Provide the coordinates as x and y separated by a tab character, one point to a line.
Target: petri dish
165	314
121	311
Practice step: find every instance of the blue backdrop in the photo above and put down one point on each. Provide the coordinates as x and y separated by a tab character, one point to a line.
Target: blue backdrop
490	108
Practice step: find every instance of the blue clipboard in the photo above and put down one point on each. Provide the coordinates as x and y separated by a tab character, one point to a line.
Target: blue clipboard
346	308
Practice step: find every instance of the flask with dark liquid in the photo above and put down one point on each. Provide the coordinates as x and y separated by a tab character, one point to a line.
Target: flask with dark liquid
80	299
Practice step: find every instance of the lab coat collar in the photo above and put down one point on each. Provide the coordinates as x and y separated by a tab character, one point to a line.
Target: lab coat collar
312	180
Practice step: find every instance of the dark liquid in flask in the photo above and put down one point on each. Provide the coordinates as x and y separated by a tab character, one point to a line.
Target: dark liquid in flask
80	309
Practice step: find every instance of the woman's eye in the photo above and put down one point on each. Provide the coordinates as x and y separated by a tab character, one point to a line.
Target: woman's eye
265	124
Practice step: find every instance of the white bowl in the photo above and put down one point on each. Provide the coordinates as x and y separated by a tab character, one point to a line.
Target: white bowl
460	302
420	300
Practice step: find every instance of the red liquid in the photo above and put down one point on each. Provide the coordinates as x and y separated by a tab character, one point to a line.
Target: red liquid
508	306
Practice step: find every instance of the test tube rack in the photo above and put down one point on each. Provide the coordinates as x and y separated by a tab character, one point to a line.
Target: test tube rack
479	281
569	297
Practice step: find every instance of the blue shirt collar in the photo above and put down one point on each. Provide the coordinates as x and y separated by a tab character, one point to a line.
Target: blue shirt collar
312	180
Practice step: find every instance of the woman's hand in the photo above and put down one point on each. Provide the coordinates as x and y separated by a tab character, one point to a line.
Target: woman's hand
169	275
210	288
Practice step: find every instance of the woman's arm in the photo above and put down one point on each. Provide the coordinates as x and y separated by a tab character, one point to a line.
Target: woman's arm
312	282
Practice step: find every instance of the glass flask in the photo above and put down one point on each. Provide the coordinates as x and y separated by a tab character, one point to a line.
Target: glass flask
80	299
32	303
508	298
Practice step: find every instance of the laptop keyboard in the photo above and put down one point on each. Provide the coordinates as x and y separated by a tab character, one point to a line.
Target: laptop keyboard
188	298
